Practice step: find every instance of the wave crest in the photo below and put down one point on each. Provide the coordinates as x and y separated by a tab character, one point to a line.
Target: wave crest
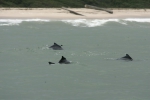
76	22
141	20
10	22
89	23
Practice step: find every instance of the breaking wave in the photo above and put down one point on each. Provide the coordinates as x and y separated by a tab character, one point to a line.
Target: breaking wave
76	22
101	22
89	23
10	22
144	20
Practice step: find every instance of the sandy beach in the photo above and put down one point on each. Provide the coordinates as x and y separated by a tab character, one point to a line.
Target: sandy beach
59	13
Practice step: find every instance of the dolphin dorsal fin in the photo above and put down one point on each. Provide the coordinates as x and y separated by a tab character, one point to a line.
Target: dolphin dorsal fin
128	57
63	58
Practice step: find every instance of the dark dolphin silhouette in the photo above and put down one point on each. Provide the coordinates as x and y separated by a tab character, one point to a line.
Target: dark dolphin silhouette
63	60
55	46
50	63
127	57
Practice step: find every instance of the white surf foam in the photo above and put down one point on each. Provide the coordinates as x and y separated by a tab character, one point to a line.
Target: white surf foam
10	22
101	22
141	20
76	22
88	22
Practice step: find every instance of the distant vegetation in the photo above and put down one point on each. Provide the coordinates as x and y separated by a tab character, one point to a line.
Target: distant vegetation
76	3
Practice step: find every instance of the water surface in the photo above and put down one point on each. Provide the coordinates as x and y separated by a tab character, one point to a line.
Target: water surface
93	47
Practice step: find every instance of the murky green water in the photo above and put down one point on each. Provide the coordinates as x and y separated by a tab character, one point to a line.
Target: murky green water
92	45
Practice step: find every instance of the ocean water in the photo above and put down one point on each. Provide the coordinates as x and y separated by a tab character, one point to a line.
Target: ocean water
92	45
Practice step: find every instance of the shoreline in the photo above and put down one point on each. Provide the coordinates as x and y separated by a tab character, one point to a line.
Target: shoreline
58	13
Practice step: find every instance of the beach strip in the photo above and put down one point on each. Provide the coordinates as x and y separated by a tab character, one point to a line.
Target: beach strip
59	13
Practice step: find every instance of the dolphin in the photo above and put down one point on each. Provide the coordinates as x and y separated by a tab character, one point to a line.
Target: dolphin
127	57
63	60
55	46
50	63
